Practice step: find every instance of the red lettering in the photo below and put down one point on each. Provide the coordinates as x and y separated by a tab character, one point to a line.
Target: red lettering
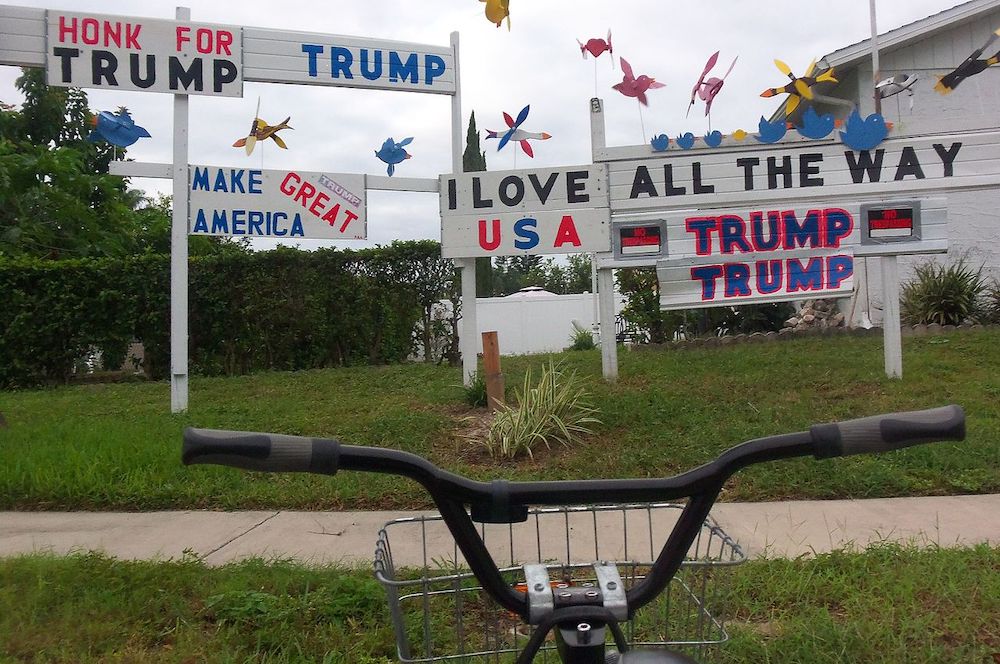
223	41
182	36
489	245
89	31
112	33
289	190
65	30
203	40
350	217
306	191
132	36
331	214
567	233
317	207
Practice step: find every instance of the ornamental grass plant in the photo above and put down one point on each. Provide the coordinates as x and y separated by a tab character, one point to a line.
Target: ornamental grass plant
946	295
555	410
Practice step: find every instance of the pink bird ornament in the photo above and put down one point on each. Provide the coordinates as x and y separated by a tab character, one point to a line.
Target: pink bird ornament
596	47
707	89
633	86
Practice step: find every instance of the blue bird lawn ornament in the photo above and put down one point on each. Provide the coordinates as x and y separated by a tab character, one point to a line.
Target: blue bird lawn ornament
864	134
660	143
713	139
815	125
393	153
116	128
685	141
771	132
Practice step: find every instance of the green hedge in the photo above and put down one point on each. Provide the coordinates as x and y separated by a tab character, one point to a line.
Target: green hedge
283	309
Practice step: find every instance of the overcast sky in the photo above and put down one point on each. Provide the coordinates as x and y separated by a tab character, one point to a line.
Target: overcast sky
538	63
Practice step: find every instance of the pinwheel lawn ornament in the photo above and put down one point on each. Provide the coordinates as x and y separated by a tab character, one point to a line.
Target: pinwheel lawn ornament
393	153
596	47
707	89
894	85
118	128
261	131
971	66
635	86
497	11
801	87
515	133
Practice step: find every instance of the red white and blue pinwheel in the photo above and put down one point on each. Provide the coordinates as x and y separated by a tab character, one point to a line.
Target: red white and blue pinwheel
515	133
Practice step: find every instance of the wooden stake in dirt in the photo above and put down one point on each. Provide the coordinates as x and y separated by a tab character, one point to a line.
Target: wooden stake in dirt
491	367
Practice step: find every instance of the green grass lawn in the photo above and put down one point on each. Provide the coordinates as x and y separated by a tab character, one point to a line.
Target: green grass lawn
116	447
889	604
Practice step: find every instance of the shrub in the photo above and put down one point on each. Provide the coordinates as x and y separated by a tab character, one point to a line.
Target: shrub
475	392
556	410
993	302
581	339
946	295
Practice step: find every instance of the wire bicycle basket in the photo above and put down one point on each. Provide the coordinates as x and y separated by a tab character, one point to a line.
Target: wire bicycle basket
440	614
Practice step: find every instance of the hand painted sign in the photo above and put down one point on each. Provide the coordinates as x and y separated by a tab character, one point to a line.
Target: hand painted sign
124	53
276	203
744	256
799	170
532	211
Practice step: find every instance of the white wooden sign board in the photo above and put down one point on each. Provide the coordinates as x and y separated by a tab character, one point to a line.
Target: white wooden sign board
277	203
529	211
149	55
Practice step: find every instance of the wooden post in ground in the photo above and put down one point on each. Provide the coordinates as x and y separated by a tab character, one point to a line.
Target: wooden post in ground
491	368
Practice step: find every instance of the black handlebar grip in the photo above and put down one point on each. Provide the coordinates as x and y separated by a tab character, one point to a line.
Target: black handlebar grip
267	452
882	433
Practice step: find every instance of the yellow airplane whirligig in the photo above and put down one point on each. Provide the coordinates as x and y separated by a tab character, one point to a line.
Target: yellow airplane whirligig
261	131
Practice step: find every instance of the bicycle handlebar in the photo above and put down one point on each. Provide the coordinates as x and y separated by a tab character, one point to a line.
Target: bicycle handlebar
501	501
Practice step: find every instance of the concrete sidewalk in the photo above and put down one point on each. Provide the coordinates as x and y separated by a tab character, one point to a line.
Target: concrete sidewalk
789	529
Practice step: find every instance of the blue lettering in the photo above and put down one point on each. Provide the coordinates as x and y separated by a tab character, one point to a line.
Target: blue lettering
733	234
220	181
737	279
523	228
839	225
801	234
277	230
702	228
220	225
255	182
236	180
433	67
312	50
200	224
399	71
254	220
768	277
707	274
838	268
239	219
200	179
340	62
296	225
757	230
809	277
372	74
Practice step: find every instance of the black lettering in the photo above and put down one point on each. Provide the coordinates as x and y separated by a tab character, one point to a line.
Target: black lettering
103	66
574	185
747	164
192	76
699	188
785	171
668	181
864	164
224	72
133	67
909	165
66	56
642	183
518	196
477	200
807	167
541	190
947	157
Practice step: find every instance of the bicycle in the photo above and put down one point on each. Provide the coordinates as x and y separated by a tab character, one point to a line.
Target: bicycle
581	615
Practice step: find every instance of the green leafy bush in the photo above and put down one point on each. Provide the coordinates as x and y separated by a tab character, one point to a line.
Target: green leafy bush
946	295
475	392
556	410
581	339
